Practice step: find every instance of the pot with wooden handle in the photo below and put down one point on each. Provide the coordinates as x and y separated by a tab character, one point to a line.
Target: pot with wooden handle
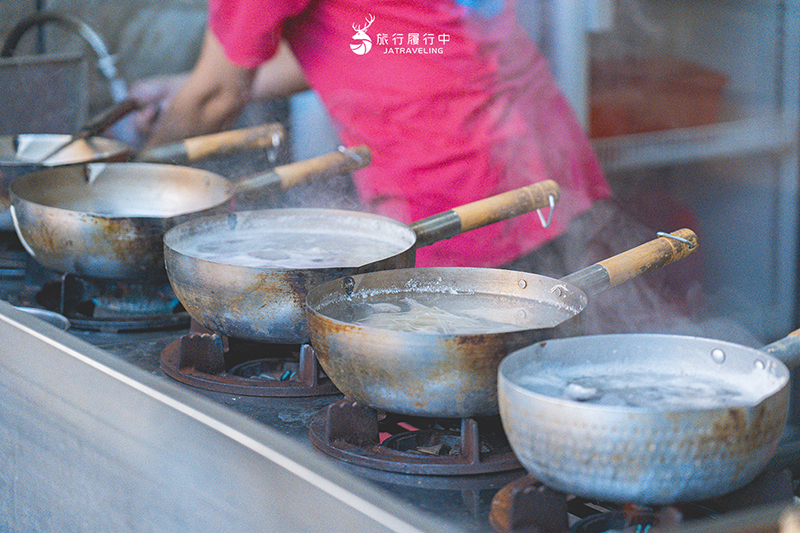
247	274
20	154
646	418
428	341
107	220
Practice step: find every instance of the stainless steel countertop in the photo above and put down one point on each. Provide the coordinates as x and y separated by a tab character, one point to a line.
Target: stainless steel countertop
97	437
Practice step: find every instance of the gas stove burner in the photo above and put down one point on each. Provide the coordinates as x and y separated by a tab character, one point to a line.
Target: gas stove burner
111	307
527	504
210	361
489	483
362	436
633	520
281	370
473	492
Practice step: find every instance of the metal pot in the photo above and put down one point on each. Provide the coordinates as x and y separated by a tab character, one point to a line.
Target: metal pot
22	154
427	371
654	446
107	220
14	163
247	275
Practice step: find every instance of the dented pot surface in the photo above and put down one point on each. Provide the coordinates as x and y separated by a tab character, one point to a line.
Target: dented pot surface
649	453
107	220
263	303
19	155
432	374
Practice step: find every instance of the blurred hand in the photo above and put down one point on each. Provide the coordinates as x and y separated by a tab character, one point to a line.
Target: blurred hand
154	94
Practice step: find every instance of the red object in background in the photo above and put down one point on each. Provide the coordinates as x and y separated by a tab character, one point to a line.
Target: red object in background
645	94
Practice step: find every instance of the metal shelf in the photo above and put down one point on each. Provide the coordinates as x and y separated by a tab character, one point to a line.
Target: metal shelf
767	133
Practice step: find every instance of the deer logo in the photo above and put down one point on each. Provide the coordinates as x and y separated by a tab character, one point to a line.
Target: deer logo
365	42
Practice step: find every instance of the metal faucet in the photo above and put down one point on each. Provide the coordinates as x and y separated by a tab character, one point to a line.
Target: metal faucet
105	61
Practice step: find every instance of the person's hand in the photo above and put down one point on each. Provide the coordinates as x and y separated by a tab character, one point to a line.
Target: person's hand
154	95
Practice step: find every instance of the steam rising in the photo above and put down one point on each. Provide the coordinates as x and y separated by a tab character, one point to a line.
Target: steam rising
668	300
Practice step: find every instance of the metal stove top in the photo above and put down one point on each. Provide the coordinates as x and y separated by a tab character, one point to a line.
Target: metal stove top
462	502
97	406
414	503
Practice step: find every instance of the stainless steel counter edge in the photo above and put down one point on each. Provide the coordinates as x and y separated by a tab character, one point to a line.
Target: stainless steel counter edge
89	442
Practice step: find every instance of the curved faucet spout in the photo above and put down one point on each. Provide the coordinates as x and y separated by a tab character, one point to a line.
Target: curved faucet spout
105	61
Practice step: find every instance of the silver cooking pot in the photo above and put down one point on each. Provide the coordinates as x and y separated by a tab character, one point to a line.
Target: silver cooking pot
416	368
247	274
644	418
26	153
108	220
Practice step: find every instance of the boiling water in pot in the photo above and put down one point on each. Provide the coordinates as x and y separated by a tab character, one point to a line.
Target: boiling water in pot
290	248
447	313
646	387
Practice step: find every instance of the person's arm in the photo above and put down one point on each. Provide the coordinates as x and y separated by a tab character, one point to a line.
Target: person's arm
213	95
280	76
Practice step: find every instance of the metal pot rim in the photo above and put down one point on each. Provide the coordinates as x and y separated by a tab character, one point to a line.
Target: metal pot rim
174	237
509	372
102	149
329	294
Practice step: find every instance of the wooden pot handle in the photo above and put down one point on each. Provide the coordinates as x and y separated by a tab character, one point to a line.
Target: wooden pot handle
486	211
635	262
649	256
225	142
283	177
108	117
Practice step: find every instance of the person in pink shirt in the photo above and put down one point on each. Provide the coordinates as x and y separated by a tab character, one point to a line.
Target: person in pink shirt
456	104
454	101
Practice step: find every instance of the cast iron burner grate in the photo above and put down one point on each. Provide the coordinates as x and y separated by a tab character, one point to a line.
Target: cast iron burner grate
113	306
526	505
215	362
362	436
